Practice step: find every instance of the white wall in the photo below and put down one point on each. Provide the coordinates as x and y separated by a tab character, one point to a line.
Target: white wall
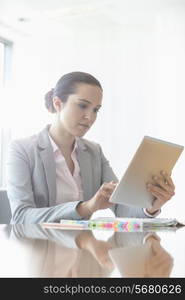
141	64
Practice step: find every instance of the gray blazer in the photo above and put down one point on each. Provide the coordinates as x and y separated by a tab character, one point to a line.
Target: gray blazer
31	180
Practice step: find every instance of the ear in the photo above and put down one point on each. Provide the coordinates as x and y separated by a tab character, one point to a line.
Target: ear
58	104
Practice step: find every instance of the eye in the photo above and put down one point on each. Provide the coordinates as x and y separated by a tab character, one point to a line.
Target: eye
82	105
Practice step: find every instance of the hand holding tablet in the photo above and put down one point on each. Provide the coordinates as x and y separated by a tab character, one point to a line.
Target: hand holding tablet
152	156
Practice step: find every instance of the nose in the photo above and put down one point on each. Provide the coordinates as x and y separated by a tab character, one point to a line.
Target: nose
88	115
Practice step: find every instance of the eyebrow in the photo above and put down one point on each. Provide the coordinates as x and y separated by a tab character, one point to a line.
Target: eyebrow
84	100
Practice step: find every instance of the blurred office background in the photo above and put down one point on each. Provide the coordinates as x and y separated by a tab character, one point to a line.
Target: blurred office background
136	48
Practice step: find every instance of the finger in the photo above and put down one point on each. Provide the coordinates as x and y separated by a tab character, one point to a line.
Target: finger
104	194
160	197
156	247
168	178
159	193
152	236
114	182
107	192
110	183
153	188
108	187
161	182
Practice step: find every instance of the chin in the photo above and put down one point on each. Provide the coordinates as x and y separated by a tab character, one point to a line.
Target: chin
80	134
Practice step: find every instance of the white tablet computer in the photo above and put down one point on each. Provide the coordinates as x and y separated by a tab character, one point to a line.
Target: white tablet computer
152	156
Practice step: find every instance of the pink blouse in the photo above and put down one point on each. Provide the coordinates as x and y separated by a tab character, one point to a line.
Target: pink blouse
69	187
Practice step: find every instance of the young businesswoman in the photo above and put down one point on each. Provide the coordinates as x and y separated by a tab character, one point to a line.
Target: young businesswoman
58	174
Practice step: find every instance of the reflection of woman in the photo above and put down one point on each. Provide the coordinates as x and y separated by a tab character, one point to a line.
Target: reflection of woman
135	259
62	253
99	249
57	174
67	253
160	262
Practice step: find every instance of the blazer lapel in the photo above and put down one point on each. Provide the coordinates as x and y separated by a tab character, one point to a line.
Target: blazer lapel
85	164
47	157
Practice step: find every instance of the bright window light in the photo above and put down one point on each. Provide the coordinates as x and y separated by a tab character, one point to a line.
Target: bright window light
1	64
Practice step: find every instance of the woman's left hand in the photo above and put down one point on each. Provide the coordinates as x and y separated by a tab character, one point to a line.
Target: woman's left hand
163	189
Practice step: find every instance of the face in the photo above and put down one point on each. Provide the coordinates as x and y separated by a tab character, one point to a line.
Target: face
78	114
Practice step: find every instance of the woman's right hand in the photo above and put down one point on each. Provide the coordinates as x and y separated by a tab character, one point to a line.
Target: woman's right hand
99	249
99	201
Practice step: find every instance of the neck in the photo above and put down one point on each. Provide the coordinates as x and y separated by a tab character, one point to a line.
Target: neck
61	137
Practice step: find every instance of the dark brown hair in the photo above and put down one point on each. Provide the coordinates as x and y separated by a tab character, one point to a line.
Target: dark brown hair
67	85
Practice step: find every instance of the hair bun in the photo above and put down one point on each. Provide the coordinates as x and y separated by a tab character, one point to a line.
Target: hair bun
49	101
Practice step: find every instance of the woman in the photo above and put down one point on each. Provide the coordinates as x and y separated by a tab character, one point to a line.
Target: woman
57	174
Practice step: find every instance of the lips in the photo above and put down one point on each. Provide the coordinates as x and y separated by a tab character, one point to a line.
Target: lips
84	125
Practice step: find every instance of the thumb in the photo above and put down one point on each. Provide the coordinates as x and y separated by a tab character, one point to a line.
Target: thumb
114	182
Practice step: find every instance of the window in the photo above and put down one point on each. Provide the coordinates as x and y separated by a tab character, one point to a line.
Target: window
5	77
5	61
1	64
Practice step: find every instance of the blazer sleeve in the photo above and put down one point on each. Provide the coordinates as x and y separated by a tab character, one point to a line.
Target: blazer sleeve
120	210
20	192
65	238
